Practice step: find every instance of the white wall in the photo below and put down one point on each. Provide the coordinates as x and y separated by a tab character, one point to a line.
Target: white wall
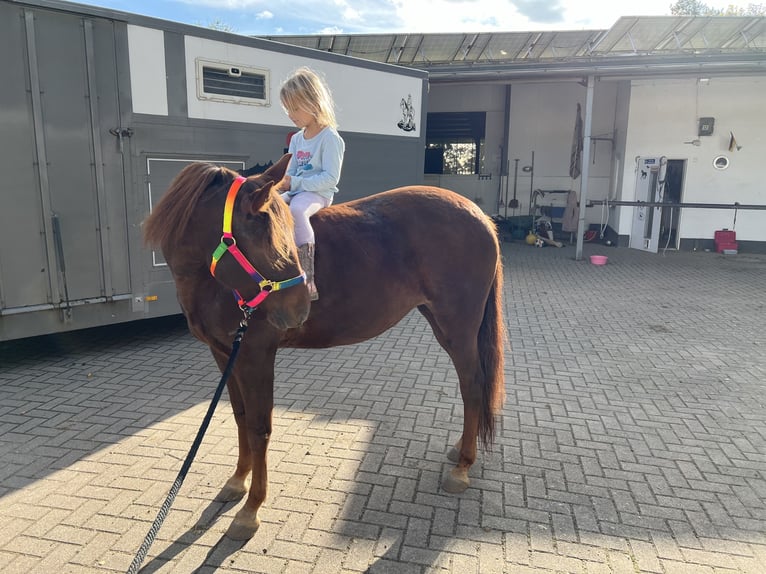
489	98
148	86
542	120
367	100
664	114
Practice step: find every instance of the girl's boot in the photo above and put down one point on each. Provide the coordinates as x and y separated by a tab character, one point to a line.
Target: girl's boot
306	259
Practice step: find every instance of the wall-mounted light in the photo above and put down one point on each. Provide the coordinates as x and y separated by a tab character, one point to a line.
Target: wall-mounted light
694	143
721	162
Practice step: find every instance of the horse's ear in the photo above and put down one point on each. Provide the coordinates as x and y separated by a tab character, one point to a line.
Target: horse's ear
277	171
258	198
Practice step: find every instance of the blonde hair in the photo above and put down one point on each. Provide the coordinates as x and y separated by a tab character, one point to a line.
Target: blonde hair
306	91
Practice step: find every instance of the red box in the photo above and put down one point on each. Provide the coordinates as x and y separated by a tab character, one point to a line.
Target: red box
725	236
725	239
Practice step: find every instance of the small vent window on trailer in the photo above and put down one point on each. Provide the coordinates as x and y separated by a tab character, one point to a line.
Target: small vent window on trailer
232	83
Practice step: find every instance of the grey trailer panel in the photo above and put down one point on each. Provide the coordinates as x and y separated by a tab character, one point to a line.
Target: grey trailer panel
161	172
24	268
79	195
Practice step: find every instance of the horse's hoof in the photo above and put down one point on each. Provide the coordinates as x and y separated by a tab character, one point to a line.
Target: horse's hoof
243	527
456	481
231	491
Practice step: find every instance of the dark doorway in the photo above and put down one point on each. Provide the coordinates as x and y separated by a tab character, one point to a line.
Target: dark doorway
672	192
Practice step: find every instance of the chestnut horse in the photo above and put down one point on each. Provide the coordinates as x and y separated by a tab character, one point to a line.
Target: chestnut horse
377	258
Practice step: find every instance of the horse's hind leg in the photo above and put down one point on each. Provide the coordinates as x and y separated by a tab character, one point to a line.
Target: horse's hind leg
460	341
454	453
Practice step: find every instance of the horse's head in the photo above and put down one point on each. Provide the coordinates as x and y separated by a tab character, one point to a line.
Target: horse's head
263	228
190	225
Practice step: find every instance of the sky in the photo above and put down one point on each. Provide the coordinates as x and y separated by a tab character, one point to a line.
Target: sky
275	17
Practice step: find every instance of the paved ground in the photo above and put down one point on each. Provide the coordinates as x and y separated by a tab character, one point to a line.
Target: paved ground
633	438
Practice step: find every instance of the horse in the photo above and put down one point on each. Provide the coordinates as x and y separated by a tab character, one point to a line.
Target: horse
377	258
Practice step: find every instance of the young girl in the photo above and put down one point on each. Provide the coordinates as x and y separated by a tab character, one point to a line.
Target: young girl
312	176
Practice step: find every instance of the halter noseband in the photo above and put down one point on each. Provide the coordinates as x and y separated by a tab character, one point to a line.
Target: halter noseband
228	243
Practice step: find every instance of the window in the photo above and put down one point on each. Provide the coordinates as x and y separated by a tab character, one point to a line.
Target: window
225	82
454	141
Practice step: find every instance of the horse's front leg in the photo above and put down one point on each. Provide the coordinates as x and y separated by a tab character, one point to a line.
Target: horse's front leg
255	380
246	521
235	488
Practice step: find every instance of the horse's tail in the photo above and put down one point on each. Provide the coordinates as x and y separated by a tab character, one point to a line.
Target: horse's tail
491	342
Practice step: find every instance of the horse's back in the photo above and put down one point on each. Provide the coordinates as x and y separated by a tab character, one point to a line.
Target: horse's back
415	216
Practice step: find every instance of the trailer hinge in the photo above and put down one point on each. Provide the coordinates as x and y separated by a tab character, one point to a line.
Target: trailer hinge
121	133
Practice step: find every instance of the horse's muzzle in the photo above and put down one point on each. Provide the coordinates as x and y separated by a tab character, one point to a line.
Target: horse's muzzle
284	319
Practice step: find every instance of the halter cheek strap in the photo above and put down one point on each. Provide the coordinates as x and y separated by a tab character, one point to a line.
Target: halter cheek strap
229	244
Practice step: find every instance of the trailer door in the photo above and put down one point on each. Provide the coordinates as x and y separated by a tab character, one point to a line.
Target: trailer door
64	229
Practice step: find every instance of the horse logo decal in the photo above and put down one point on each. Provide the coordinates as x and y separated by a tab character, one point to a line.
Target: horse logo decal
407	123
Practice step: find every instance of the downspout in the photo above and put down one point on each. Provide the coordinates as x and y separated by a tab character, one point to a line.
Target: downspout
587	121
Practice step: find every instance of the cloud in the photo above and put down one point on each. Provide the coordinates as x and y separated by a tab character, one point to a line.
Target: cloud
540	10
347	11
454	15
330	30
424	16
226	4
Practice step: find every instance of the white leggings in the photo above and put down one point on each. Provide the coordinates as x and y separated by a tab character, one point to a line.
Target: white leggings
303	205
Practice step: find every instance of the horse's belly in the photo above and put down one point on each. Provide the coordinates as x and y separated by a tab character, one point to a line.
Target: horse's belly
323	330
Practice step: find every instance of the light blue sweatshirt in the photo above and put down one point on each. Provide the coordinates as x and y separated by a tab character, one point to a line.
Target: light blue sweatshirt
316	162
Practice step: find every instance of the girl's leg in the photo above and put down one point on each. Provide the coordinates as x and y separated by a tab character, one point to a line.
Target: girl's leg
303	206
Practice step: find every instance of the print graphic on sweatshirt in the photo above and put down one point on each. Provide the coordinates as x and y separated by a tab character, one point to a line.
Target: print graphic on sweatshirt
303	159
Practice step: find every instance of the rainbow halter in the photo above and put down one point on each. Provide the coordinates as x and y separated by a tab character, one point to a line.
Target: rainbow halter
228	243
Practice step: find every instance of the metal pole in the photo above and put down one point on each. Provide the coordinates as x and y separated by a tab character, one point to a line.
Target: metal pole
685	205
505	160
585	166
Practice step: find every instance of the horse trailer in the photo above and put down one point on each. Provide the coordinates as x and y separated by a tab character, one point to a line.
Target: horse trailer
101	109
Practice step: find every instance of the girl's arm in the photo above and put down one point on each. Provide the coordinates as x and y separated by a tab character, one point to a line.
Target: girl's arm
292	167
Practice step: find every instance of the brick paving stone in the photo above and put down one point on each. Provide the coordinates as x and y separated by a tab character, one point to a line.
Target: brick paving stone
632	438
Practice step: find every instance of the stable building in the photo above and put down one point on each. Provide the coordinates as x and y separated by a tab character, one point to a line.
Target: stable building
657	124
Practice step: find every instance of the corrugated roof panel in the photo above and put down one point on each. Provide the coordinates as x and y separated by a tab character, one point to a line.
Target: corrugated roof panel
340	44
678	34
714	32
685	36
370	47
438	48
477	46
752	36
509	46
630	35
405	49
302	41
567	44
641	35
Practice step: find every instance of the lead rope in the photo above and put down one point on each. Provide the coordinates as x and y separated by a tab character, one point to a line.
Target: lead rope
162	514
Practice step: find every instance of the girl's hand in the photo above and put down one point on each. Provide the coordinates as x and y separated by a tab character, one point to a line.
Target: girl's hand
283	185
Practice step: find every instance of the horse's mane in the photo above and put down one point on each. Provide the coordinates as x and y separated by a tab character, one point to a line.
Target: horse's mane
167	224
169	218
